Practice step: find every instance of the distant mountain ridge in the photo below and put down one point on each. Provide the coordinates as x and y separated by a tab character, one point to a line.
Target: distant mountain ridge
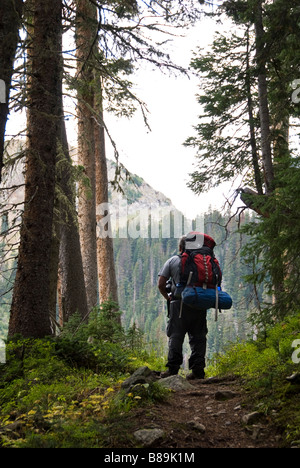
144	211
136	191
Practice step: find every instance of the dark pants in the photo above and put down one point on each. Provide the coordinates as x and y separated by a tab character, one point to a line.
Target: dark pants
193	322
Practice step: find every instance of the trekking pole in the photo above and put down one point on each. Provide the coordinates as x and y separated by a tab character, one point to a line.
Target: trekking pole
187	284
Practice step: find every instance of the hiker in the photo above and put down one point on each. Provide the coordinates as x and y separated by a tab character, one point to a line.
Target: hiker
183	319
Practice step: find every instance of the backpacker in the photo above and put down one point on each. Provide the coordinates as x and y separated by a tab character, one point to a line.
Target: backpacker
200	274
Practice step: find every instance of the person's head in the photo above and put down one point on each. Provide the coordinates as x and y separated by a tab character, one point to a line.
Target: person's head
182	244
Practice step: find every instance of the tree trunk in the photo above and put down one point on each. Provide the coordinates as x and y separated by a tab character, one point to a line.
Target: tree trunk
53	276
72	291
263	100
10	16
255	162
108	288
277	274
31	296
86	31
66	277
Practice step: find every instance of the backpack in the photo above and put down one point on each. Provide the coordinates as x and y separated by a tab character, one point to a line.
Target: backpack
199	259
201	275
205	268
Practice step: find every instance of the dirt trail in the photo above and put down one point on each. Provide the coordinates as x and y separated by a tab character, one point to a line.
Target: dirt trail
182	419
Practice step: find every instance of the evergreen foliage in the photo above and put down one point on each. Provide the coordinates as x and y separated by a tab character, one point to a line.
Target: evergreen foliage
223	136
274	247
248	128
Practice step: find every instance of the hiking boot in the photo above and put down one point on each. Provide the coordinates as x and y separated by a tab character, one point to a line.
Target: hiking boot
168	373
196	376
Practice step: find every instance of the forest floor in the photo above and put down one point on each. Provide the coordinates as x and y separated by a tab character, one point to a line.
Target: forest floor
208	416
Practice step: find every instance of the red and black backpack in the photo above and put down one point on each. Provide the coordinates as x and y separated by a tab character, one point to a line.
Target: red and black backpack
199	266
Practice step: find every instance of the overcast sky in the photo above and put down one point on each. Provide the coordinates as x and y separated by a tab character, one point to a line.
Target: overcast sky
159	156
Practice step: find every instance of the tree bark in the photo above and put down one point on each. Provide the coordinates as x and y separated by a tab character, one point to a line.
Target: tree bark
255	162
263	100
72	291
107	280
10	16
31	296
86	31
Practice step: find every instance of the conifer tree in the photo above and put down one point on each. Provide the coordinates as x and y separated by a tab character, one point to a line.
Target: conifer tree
30	306
71	284
269	157
86	35
227	97
107	280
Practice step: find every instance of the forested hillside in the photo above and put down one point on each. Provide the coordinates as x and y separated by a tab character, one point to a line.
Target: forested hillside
139	261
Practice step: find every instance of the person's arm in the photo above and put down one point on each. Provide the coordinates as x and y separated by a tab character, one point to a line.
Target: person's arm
162	283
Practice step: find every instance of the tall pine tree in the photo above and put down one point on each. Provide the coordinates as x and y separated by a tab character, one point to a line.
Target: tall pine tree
31	297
